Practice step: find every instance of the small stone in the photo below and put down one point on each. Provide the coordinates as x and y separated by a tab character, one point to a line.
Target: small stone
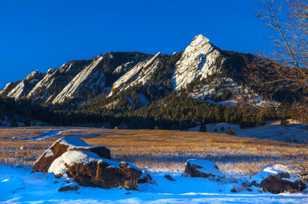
68	188
169	177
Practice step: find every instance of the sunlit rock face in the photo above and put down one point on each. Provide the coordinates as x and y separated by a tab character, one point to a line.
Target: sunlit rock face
8	88
138	75
90	80
97	78
134	80
199	60
55	80
25	86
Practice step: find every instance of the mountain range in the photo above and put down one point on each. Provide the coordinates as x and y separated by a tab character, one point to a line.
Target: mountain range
122	81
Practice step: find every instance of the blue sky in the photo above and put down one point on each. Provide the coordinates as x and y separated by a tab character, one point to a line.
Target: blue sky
38	34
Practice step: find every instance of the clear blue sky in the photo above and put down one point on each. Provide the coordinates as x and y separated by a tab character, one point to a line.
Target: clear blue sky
38	34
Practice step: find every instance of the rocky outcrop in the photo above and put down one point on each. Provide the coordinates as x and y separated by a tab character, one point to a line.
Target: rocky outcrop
25	86
131	79
88	165
89	82
280	184
89	169
280	178
138	75
199	60
8	88
146	82
97	78
202	168
55	80
62	145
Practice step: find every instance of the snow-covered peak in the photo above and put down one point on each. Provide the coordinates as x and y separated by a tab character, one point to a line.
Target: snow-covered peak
198	60
199	40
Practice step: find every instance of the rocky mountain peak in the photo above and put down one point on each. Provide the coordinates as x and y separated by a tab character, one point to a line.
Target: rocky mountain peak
34	75
22	88
198	42
139	74
8	87
198	60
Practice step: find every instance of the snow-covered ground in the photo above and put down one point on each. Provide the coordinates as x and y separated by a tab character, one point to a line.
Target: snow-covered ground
291	133
297	133
47	134
20	185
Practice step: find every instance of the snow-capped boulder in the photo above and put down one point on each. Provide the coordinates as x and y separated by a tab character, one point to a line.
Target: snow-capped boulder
89	169
61	146
280	178
202	168
277	184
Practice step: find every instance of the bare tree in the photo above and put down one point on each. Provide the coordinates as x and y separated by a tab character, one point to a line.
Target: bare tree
288	21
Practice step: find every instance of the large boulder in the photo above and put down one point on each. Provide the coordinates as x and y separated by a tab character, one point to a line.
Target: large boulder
202	168
89	169
62	145
278	184
280	178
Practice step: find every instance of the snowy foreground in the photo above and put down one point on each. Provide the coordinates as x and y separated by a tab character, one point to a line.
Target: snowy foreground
19	185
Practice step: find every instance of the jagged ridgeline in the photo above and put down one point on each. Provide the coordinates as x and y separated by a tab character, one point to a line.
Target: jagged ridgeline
203	79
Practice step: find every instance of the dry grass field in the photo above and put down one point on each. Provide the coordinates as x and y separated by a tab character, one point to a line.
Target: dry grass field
160	149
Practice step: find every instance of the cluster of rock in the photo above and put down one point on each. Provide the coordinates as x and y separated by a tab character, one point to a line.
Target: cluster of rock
275	179
88	165
280	178
92	166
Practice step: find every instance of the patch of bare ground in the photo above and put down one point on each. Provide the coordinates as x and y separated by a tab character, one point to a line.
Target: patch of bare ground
160	149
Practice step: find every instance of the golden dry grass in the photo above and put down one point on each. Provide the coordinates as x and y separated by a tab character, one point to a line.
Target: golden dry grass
159	149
